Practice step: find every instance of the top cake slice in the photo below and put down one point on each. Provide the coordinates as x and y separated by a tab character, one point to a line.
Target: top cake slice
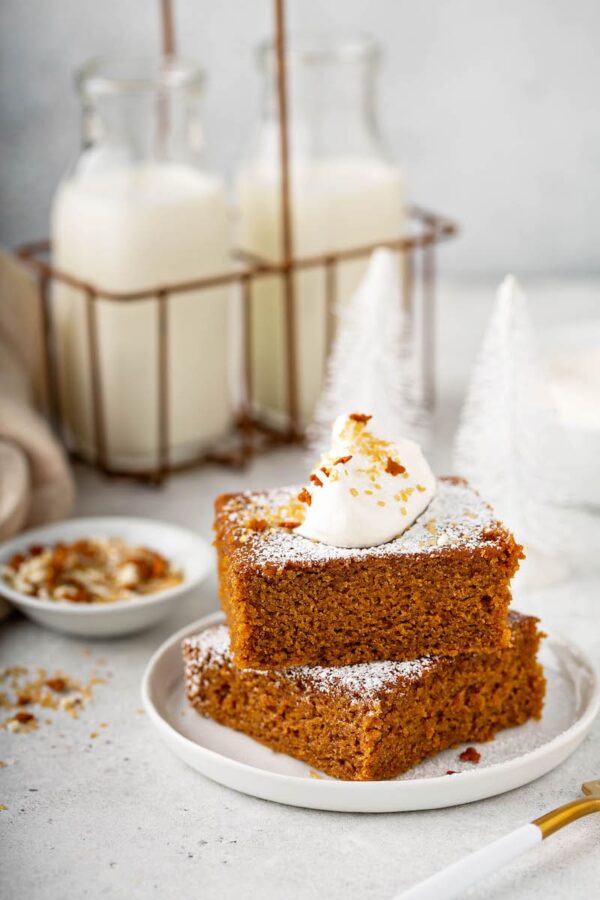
440	588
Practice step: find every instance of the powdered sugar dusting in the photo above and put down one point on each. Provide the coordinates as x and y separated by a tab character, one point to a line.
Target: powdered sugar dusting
456	517
360	682
213	643
364	680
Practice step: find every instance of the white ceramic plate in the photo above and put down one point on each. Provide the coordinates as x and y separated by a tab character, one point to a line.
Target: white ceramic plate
515	757
183	548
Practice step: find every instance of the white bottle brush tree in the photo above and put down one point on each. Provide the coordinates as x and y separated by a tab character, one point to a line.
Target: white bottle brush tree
509	444
371	368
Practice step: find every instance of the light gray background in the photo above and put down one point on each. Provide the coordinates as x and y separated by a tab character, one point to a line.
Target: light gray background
491	105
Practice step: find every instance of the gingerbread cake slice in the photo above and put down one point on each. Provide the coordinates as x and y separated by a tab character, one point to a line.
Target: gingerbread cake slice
440	588
369	721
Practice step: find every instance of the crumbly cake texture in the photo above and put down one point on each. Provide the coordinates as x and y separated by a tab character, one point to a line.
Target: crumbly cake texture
369	721
440	588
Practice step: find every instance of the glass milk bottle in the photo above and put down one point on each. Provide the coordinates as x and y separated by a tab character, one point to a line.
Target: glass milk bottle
139	211
344	193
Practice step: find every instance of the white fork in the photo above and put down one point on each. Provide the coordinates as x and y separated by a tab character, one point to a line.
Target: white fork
456	878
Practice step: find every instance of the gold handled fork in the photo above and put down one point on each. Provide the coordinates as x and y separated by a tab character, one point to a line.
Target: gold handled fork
564	815
455	879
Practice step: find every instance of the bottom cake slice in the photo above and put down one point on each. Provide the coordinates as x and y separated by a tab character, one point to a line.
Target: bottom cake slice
373	720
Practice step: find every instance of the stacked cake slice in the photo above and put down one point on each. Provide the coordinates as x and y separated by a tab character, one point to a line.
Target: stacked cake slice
362	662
442	587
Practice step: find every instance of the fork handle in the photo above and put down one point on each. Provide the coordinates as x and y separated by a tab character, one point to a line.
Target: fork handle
456	878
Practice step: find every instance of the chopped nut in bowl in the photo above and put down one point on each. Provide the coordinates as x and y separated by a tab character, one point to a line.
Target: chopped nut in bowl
89	570
101	577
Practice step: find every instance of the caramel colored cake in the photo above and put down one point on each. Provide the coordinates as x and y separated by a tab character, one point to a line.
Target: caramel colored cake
373	720
440	588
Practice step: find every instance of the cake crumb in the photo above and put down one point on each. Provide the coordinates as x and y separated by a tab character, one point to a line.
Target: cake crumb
342	460
257	524
470	755
305	497
360	417
316	775
394	468
451	772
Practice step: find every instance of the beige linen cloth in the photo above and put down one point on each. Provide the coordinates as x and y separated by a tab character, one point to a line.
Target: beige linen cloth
36	484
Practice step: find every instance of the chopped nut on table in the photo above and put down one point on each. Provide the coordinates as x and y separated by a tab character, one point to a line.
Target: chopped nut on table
57	692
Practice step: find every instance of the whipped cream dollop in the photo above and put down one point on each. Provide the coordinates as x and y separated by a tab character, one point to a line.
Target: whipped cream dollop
367	489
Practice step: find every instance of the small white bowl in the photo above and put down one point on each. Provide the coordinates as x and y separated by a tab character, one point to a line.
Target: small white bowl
181	547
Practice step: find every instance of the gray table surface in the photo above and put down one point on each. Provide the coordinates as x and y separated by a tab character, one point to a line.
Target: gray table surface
119	816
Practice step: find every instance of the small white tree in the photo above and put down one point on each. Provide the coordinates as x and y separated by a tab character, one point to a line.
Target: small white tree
509	443
371	367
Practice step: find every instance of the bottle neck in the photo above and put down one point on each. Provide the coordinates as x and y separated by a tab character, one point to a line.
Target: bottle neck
141	110
331	102
153	126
